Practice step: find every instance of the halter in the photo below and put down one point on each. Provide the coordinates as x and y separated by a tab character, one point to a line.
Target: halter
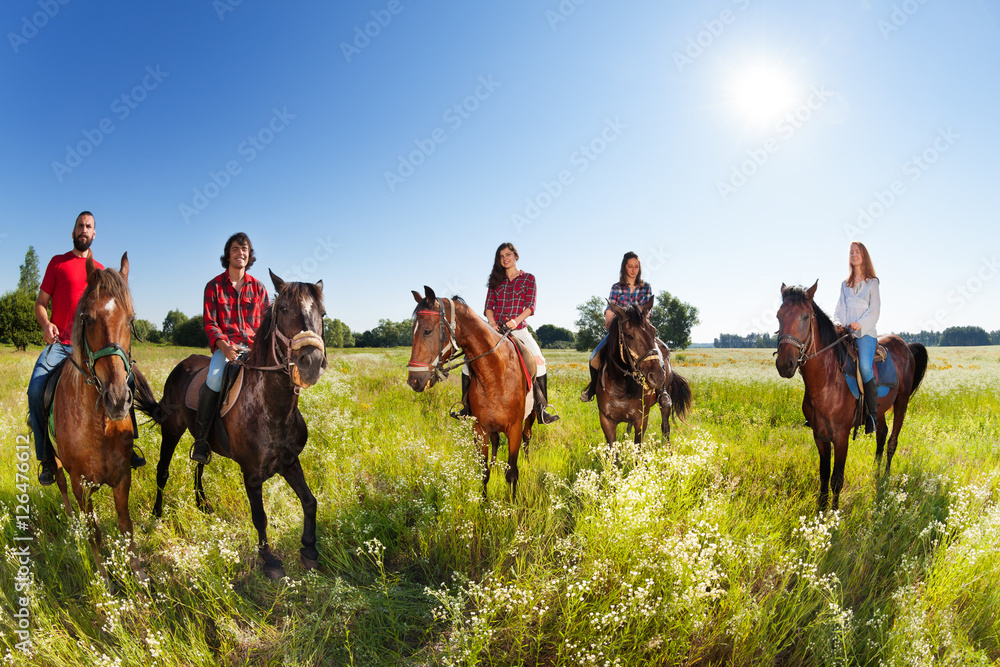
446	348
91	357
802	346
302	339
633	360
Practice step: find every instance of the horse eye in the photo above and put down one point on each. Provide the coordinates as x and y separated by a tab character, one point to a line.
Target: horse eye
427	332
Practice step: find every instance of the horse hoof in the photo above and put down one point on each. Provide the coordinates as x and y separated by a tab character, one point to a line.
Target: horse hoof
274	572
309	563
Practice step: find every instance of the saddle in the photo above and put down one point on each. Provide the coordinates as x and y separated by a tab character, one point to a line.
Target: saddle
528	364
229	394
885	369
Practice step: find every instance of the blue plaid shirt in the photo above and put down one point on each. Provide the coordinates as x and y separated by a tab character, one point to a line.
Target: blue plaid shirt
621	296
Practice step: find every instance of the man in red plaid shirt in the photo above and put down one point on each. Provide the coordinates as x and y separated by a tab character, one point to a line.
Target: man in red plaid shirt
235	303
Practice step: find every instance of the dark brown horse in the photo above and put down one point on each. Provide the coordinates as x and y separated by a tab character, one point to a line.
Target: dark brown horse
635	375
265	429
444	328
808	341
91	424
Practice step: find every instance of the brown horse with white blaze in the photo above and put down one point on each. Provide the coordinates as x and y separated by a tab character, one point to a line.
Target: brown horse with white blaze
809	342
265	429
444	328
92	403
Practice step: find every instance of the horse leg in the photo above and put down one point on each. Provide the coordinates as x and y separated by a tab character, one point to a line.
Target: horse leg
513	447
666	406
881	430
898	413
167	446
83	499
254	486
61	482
484	448
610	433
526	433
297	480
824	472
199	491
839	461
121	492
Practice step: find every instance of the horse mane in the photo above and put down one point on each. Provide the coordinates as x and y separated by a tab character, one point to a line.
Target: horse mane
115	285
260	351
827	331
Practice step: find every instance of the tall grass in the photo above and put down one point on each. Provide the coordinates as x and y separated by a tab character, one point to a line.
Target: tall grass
708	551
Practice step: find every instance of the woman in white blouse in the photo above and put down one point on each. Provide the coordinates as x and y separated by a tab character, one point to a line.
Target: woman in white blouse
858	309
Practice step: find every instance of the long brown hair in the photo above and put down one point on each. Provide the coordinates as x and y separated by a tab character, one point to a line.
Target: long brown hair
622	277
867	268
498	273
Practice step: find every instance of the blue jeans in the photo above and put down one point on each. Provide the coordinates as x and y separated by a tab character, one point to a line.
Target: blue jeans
215	371
50	357
599	346
866	357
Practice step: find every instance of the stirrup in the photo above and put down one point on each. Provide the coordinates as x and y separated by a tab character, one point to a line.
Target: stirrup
546	418
208	458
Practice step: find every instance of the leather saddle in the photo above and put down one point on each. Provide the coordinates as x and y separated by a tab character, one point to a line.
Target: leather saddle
232	385
885	368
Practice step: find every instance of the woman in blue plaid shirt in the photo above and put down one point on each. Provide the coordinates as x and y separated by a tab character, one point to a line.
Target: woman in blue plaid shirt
630	289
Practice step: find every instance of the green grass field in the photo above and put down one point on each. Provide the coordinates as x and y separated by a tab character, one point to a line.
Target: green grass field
709	551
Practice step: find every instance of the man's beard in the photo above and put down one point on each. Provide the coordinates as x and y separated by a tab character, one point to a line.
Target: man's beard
81	243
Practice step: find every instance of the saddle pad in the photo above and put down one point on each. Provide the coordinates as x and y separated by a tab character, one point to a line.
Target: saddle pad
885	376
528	364
198	381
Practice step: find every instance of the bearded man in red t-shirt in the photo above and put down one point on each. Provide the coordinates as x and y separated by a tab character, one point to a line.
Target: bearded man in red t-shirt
64	283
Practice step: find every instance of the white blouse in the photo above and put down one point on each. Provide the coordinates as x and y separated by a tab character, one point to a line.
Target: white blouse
859	304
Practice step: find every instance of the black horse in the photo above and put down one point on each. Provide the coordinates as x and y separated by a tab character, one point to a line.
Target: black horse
635	375
265	429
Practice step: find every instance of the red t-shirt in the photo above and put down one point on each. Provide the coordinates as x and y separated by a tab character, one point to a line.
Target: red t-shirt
65	281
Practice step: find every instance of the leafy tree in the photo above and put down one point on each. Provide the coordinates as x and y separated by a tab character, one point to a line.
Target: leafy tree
171	322
758	340
673	320
17	320
929	338
953	336
548	334
590	324
147	331
995	337
29	280
190	333
336	333
387	334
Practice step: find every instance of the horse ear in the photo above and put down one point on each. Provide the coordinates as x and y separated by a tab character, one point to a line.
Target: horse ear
812	290
648	306
783	288
124	269
319	286
616	309
416	295
91	269
431	297
279	284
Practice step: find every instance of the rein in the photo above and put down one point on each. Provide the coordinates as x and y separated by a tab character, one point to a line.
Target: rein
633	360
447	349
802	345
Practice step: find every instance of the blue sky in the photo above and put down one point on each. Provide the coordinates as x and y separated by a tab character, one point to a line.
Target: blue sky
381	146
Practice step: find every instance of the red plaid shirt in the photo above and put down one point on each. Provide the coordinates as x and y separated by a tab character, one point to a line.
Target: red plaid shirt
230	316
509	299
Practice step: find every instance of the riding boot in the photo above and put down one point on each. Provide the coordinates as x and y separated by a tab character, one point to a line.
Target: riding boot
588	393
465	411
542	401
47	474
208	405
871	405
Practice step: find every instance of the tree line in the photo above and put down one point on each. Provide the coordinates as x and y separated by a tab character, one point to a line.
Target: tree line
950	337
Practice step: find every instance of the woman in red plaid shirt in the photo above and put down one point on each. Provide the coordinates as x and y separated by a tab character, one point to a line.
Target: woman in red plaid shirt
510	300
630	289
235	303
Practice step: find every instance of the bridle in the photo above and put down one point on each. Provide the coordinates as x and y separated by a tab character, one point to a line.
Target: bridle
632	359
447	344
803	346
90	359
302	339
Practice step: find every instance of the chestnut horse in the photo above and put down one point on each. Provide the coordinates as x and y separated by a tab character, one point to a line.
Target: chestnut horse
444	328
91	424
635	374
265	428
809	342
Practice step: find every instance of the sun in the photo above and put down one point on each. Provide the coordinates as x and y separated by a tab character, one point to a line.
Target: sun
762	92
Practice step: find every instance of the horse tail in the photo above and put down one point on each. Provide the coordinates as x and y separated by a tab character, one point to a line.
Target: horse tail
680	394
920	357
145	399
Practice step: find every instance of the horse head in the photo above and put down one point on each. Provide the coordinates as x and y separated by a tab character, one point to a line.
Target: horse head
637	340
102	336
795	320
297	321
429	348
